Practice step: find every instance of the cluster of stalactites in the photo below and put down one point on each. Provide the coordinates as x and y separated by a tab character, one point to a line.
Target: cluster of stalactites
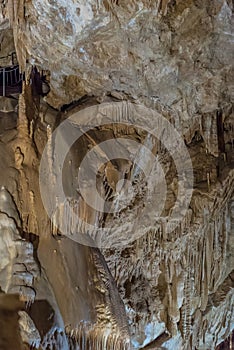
87	337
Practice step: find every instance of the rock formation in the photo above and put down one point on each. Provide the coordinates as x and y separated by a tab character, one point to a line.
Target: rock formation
117	175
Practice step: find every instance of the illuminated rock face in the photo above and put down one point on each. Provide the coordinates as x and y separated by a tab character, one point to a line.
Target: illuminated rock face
138	73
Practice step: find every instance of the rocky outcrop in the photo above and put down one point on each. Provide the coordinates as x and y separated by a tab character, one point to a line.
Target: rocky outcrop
181	56
117	197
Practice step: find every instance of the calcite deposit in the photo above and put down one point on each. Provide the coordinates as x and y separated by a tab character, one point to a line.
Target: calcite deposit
117	175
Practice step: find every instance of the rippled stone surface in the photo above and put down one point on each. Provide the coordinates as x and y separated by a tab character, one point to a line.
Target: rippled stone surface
121	59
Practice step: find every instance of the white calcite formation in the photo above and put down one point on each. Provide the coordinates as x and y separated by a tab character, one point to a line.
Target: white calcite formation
136	73
18	268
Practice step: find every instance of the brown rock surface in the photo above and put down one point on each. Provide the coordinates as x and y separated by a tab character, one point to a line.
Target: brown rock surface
157	78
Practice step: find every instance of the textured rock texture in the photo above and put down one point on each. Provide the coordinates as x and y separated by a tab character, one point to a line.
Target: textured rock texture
126	61
178	52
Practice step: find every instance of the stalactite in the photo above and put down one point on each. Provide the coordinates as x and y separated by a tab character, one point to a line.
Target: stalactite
156	253
50	155
186	307
31	129
88	337
32	219
23	127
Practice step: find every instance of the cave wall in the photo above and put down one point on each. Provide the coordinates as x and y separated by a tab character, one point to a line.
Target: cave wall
121	60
